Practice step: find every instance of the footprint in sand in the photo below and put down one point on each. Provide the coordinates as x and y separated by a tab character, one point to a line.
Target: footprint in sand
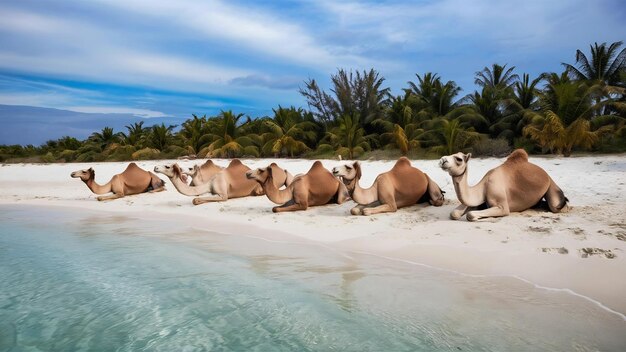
559	250
588	251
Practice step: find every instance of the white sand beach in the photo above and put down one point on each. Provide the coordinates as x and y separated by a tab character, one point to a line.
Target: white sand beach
583	251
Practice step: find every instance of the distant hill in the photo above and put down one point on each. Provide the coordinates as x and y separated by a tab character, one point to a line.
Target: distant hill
34	125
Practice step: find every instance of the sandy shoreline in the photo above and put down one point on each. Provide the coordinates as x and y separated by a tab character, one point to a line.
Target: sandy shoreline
548	250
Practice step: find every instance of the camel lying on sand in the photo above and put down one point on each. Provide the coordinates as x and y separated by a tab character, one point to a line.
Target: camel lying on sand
317	187
202	173
402	186
231	182
133	180
516	185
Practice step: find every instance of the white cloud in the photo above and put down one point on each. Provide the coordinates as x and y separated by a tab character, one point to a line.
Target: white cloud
145	113
73	48
250	26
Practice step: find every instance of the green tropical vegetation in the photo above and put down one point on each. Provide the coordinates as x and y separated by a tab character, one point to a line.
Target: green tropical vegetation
582	109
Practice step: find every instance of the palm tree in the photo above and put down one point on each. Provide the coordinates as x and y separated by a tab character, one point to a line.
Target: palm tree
69	143
135	134
605	65
400	124
227	138
568	118
287	133
104	138
491	103
520	109
497	78
450	135
354	93
348	136
160	136
438	96
194	134
603	71
551	134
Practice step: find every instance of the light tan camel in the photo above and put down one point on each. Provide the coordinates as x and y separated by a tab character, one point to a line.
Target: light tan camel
516	185
202	173
133	180
402	186
231	182
317	187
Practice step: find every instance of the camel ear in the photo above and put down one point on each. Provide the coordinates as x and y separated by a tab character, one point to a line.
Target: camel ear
468	156
90	169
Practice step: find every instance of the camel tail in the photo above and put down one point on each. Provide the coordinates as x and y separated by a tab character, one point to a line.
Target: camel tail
518	155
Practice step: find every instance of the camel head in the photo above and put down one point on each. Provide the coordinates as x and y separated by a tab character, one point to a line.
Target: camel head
260	175
348	172
84	175
191	171
455	164
171	171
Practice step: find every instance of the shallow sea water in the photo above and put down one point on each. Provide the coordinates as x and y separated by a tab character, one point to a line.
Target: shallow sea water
76	280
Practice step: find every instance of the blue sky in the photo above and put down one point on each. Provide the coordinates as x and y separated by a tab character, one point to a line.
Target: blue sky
164	60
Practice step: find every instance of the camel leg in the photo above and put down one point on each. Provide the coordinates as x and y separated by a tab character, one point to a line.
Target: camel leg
219	194
208	199
290	206
557	201
358	210
499	210
459	211
110	197
383	208
154	190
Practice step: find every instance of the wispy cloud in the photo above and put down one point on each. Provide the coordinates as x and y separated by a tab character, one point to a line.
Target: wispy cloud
144	113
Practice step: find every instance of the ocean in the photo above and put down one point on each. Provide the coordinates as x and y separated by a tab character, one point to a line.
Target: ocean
76	280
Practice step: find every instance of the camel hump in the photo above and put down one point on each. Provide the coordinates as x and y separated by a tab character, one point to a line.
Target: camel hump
208	163
402	162
132	167
316	166
518	155
235	162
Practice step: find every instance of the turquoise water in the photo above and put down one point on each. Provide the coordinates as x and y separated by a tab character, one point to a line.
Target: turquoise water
74	280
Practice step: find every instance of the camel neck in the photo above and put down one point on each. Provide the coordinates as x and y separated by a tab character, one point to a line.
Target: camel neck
274	194
351	185
96	188
187	190
470	196
364	196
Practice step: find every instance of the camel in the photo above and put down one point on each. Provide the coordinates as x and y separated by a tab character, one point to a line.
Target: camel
402	186
202	173
133	180
317	187
231	182
514	186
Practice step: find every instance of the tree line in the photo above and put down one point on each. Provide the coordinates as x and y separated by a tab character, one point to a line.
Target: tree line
582	109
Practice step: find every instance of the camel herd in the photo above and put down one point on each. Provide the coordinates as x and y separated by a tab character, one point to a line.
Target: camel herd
514	186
